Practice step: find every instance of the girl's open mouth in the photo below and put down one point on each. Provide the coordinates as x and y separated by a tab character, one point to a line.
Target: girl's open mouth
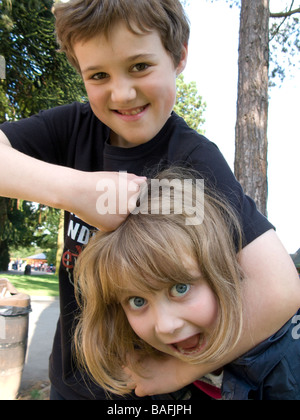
191	345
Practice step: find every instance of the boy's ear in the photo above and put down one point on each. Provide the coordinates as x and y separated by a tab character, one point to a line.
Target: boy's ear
183	61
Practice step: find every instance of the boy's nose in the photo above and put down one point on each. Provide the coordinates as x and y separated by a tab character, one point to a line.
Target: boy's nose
122	92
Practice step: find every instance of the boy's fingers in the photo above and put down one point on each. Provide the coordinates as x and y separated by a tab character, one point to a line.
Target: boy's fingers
136	187
140	180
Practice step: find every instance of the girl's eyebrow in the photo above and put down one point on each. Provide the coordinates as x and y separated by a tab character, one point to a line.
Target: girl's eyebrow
129	293
124	294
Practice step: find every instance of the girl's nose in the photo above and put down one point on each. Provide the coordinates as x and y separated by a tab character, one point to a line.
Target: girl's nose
167	323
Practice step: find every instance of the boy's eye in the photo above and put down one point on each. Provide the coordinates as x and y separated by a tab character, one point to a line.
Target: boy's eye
140	67
180	290
137	302
99	76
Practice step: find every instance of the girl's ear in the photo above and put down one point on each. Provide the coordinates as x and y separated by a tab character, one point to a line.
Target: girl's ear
183	61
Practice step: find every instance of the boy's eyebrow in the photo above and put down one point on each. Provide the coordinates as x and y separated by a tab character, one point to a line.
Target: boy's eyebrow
129	59
141	57
90	68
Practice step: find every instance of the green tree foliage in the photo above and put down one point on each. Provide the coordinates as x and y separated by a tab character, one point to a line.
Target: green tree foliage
46	236
284	40
18	220
37	77
25	224
189	104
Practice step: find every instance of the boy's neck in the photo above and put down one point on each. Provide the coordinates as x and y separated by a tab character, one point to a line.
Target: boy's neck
118	141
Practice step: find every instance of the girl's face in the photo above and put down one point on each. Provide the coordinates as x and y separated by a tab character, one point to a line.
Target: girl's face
175	320
131	83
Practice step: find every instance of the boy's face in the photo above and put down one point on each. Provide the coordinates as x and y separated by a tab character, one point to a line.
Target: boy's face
131	83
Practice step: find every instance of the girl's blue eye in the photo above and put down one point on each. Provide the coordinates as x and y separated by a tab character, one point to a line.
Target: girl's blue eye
137	302
180	290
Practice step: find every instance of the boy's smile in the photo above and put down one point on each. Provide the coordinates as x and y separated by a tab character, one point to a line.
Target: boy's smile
131	114
131	83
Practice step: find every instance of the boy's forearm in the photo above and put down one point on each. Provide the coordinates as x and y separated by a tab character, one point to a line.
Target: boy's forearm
26	178
271	286
30	179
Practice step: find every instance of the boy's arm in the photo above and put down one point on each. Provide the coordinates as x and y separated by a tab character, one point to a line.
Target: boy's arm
30	179
271	287
272	297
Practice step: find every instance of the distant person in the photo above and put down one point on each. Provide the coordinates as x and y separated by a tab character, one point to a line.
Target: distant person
27	271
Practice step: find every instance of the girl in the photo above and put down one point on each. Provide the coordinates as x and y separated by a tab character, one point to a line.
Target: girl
141	290
119	272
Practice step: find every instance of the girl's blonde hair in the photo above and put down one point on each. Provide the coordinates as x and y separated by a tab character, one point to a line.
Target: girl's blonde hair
146	252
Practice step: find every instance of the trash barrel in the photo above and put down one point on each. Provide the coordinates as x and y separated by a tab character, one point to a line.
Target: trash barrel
14	319
27	271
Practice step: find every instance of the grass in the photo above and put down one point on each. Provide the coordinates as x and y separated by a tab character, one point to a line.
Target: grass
35	284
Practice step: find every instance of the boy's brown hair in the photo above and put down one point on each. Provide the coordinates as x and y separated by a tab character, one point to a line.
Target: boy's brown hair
81	20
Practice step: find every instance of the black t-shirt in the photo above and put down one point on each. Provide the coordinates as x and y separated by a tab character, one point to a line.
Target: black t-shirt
72	136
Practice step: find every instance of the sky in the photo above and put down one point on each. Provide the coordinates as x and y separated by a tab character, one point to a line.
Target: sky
213	65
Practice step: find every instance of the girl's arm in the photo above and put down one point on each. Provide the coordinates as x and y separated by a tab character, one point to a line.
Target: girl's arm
31	179
272	297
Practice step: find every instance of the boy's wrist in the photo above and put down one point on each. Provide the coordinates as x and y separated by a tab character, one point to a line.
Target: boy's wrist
101	199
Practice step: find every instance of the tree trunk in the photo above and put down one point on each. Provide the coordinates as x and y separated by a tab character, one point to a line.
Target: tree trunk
252	108
4	256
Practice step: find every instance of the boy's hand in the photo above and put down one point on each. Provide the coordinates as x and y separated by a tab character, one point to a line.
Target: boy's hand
105	199
162	376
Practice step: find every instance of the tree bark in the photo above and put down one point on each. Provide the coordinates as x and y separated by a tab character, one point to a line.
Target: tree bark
4	256
285	14
252	107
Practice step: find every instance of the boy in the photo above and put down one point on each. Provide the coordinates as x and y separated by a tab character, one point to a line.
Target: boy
129	54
